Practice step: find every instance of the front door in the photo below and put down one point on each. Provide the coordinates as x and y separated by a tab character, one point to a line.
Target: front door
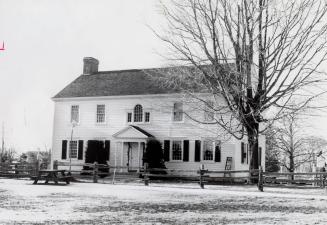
132	156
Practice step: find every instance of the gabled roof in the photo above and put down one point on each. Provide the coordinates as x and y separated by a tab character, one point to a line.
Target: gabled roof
132	132
114	83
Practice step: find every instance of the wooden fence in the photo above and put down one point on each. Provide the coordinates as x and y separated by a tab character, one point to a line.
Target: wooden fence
18	169
311	179
95	171
201	176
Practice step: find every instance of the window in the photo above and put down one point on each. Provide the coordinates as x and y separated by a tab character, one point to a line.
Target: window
138	113
177	150
178	111
208	150
208	111
101	113
73	149
129	117
74	115
147	117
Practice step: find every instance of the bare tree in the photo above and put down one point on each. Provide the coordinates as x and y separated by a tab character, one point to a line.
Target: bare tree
258	56
294	145
8	155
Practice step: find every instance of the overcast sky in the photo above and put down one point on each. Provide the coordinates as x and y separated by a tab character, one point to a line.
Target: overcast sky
46	41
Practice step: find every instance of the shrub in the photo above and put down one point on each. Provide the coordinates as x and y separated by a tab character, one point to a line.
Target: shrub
154	155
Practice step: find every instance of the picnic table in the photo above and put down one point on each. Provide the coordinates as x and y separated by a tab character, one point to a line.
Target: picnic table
52	175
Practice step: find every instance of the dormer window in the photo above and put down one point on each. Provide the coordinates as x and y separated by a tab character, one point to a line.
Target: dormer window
138	115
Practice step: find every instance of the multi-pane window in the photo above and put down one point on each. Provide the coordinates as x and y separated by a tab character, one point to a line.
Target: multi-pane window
147	117
178	111
74	114
177	150
129	117
208	111
73	149
101	113
138	113
208	150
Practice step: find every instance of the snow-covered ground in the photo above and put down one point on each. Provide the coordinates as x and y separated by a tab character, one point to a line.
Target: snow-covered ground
133	203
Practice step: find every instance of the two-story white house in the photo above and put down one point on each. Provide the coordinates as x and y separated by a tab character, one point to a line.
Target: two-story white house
124	109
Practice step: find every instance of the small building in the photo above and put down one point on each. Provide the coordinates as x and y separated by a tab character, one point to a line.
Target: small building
123	109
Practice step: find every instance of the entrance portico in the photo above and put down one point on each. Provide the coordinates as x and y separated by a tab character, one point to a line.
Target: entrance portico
129	148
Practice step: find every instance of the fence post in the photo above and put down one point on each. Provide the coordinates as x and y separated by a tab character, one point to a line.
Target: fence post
16	168
201	176
36	167
146	177
55	164
95	173
260	181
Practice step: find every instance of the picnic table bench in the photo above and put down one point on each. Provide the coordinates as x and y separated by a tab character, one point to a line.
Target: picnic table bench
52	175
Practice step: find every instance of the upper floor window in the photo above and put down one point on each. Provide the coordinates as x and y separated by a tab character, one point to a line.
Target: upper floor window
147	117
178	111
129	117
208	111
74	114
101	113
138	113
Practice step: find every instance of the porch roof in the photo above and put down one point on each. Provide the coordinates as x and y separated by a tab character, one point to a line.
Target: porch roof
132	132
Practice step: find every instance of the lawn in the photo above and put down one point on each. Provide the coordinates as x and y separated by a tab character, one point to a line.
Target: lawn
133	203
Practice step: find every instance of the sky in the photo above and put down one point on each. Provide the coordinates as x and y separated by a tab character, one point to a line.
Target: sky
45	42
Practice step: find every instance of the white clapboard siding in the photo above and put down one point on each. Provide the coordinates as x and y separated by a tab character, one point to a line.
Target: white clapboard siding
161	126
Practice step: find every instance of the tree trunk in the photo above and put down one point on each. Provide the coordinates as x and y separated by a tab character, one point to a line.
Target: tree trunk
291	166
253	140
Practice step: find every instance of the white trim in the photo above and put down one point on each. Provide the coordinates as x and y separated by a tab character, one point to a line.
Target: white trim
96	98
127	128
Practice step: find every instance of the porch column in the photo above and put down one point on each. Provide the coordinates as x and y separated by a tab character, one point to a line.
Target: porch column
122	156
138	154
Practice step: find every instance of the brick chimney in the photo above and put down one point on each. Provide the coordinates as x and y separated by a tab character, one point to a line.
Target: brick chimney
90	65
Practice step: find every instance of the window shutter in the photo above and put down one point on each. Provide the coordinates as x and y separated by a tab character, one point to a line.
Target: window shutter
166	150
247	154
217	153
186	151
197	155
64	149
80	149
243	154
260	152
107	149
